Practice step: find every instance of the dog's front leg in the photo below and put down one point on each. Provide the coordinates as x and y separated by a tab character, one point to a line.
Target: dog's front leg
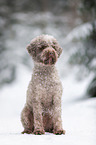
57	121
38	119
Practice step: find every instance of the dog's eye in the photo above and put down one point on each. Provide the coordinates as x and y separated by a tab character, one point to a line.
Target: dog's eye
44	46
39	49
53	46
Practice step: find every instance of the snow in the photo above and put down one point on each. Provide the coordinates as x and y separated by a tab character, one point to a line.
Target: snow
79	32
78	115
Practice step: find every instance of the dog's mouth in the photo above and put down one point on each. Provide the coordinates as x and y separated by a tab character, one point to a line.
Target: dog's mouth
49	58
49	61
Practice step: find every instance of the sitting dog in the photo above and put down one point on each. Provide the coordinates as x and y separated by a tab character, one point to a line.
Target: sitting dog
42	111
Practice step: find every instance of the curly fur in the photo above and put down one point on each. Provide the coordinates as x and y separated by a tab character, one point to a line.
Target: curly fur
42	111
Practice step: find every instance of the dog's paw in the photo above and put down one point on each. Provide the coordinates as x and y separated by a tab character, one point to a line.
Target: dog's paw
39	132
27	131
59	132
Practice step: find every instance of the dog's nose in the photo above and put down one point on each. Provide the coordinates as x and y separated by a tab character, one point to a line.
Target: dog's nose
50	53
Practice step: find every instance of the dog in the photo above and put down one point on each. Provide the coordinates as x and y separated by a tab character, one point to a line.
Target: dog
42	111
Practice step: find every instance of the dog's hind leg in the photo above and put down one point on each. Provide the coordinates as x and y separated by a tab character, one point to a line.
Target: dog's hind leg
27	120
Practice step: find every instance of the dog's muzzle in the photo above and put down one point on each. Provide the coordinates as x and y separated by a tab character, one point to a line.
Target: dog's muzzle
49	56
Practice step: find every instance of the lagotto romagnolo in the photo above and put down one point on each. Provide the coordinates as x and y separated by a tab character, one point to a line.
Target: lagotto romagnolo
42	111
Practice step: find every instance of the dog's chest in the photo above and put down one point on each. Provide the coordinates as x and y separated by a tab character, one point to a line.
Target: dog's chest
46	85
47	82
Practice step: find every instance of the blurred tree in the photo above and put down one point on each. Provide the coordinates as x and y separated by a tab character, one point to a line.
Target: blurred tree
92	88
55	6
88	9
85	55
7	69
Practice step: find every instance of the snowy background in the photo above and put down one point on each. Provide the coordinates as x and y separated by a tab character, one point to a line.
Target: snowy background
78	109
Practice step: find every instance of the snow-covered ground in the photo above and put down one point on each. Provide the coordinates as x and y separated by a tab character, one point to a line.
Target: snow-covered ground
79	116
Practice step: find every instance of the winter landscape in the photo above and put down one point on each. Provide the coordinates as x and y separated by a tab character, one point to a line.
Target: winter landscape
78	108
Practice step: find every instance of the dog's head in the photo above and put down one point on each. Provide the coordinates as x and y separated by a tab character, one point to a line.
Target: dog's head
44	49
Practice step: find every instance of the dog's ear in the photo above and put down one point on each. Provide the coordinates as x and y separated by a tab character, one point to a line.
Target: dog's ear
59	51
31	50
57	47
